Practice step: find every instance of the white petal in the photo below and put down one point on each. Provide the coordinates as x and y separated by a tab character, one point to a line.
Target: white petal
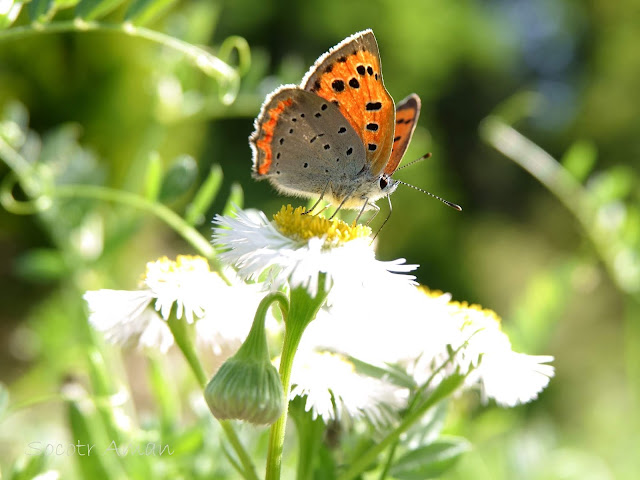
256	248
513	378
226	325
333	388
124	319
108	308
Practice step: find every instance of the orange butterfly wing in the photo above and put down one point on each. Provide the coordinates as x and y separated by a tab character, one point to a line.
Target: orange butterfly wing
407	115
349	75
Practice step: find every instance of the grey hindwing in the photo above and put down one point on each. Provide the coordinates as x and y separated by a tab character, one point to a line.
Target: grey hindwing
312	145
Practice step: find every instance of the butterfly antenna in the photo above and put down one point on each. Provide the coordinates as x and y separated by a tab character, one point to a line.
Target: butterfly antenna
446	202
424	157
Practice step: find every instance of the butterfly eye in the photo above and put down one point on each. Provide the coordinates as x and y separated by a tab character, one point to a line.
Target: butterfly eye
383	183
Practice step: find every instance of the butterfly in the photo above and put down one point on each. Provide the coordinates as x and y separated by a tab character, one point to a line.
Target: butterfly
338	136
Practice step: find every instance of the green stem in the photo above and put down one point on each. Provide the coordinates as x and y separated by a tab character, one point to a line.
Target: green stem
276	437
389	462
164	213
181	334
550	173
414	406
179	329
245	459
370	455
310	435
303	309
40	199
364	461
205	61
19	165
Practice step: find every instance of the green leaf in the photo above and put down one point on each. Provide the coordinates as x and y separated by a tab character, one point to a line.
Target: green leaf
153	177
41	10
99	375
83	428
142	12
445	388
189	442
205	196
428	429
41	265
613	184
179	178
431	460
30	465
311	439
235	200
92	9
60	4
390	373
580	159
9	13
164	393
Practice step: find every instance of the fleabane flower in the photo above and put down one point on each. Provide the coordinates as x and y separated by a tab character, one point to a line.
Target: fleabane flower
294	249
125	317
483	351
334	390
187	283
431	337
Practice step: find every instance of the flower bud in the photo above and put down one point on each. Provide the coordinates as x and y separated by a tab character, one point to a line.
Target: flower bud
247	386
246	390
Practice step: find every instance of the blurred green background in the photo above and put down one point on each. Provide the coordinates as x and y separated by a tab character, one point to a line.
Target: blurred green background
516	248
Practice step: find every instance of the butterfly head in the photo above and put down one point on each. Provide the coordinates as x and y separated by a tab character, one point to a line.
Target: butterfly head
387	185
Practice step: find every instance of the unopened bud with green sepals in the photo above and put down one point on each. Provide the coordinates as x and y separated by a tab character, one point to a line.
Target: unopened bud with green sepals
247	386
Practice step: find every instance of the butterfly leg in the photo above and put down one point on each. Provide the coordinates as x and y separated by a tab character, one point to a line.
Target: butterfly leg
375	208
347	197
385	220
324	190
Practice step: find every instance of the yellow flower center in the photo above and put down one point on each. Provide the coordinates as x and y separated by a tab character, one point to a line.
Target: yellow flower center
463	308
182	264
470	309
292	223
430	293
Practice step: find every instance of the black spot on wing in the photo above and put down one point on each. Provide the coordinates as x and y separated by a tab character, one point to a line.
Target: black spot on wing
337	85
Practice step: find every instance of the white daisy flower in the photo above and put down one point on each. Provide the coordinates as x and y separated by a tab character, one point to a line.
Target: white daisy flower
187	282
382	326
512	378
333	389
418	330
295	248
484	351
376	315
124	317
291	251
